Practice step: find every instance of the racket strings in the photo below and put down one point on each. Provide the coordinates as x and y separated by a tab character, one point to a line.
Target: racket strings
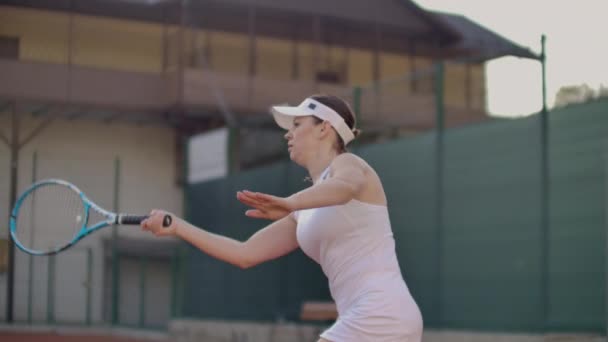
49	218
95	217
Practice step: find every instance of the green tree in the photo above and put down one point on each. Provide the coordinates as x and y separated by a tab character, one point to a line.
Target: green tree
574	94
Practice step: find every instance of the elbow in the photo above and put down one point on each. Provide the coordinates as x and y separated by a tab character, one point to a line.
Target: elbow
245	264
245	260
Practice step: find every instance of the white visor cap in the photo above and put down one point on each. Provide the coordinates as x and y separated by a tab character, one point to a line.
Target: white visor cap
284	116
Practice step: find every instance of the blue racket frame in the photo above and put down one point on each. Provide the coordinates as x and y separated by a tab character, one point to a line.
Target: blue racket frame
112	218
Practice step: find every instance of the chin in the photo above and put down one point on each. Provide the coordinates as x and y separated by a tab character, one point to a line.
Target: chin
295	159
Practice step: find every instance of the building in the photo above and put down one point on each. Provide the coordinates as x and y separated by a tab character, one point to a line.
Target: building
106	93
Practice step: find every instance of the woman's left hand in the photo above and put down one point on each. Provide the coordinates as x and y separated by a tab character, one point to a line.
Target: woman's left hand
266	206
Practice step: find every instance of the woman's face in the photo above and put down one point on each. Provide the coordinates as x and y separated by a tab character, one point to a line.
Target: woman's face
302	138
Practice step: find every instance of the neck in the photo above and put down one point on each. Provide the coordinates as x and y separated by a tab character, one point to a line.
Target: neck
319	164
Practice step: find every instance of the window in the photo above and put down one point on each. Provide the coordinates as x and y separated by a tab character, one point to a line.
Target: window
333	64
328	76
9	47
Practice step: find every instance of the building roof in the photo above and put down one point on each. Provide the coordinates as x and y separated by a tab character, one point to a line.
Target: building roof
400	15
479	43
457	34
404	15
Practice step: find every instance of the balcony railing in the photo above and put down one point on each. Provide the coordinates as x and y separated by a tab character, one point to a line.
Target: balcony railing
209	93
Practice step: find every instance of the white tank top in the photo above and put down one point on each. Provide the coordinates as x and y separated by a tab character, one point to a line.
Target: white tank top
354	245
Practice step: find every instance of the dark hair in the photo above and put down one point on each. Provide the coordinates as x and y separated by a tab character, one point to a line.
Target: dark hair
343	109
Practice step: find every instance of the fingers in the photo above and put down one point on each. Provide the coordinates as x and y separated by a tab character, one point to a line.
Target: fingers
154	223
250	195
245	198
248	198
254	213
145	224
265	198
257	195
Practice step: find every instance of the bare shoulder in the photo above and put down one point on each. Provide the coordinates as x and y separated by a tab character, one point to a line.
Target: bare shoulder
357	170
350	160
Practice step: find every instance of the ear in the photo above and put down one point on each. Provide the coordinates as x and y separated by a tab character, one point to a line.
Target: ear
325	128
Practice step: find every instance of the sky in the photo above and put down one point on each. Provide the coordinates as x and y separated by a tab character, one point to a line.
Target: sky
577	47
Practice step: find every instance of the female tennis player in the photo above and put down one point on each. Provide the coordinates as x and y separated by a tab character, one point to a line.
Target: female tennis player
341	222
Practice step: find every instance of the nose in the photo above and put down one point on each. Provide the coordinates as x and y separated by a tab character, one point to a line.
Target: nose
287	135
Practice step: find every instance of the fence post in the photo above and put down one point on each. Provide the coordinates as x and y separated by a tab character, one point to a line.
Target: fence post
177	282
89	284
606	240
357	104
174	281
181	288
233	150
544	195
30	283
50	292
115	255
143	263
439	187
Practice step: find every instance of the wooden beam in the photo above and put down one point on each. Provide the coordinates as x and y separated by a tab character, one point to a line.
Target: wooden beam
252	41
36	131
193	60
4	106
346	59
413	80
4	139
251	21
50	117
316	58
40	111
377	49
165	41
468	84
295	54
208	62
110	118
180	52
70	34
79	112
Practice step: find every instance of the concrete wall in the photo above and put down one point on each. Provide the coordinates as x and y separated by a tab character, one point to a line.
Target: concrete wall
84	152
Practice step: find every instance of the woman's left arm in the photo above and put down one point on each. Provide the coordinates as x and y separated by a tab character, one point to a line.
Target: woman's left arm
348	178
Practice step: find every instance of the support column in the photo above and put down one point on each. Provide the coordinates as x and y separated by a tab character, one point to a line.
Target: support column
14	163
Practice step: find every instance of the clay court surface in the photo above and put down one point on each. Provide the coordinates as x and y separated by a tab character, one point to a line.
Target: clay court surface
11	334
50	337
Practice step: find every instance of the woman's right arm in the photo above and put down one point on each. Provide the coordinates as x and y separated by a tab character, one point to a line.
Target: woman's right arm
271	242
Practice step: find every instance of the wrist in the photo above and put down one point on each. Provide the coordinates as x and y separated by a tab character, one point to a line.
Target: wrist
178	227
293	202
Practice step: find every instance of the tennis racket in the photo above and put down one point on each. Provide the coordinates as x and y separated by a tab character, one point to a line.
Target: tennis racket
53	215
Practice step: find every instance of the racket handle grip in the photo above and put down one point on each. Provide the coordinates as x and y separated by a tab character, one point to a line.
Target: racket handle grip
135	220
131	219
